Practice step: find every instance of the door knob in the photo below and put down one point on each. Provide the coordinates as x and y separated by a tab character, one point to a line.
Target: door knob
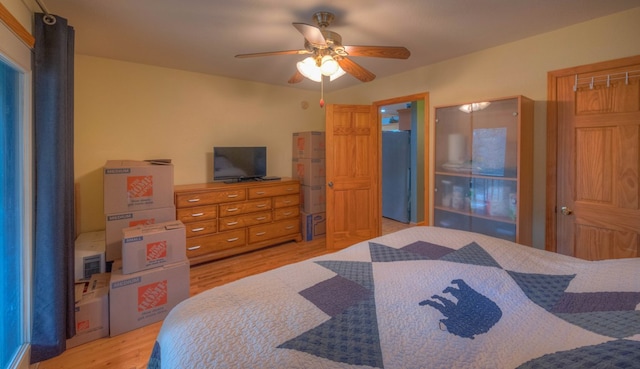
330	184
566	211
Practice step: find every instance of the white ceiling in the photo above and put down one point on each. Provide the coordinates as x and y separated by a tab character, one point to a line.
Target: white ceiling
204	35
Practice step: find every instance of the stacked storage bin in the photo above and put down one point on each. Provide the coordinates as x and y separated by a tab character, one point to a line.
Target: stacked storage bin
150	271
308	166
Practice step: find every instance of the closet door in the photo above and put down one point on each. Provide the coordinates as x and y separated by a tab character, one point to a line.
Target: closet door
598	161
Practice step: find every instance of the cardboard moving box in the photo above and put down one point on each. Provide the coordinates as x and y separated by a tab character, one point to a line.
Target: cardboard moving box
131	185
89	254
313	199
310	172
308	145
313	225
92	310
154	245
146	297
119	221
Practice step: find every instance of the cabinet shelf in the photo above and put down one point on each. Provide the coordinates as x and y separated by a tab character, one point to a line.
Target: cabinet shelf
476	215
472	175
490	192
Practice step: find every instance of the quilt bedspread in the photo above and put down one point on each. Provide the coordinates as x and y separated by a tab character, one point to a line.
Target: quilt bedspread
424	297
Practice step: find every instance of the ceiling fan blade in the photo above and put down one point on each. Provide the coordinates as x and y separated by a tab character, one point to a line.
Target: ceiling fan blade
296	78
393	52
356	70
270	53
311	34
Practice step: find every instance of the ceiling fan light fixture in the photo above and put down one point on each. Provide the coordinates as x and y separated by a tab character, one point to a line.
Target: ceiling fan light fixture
468	108
328	65
309	69
339	73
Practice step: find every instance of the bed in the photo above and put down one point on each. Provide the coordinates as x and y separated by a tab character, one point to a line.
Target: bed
424	297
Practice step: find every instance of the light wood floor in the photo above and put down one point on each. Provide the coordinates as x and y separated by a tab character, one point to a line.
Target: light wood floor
131	350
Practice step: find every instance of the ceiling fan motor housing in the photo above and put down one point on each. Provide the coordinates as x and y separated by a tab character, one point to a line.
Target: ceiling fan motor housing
323	19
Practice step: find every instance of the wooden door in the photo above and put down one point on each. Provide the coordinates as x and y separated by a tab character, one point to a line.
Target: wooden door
597	120
353	167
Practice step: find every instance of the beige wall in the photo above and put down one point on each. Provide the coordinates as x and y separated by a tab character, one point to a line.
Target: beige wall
133	111
126	110
518	68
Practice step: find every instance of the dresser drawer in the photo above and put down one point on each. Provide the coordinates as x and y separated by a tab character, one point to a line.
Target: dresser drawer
209	197
267	231
285	189
240	221
221	241
284	213
197	213
244	207
286	201
201	228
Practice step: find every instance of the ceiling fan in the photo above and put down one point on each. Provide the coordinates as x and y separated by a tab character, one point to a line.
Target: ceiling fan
328	55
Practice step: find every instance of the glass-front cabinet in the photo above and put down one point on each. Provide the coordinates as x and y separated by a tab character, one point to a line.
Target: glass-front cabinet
483	168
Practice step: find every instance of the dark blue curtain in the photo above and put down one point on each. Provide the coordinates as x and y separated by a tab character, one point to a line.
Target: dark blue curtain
53	306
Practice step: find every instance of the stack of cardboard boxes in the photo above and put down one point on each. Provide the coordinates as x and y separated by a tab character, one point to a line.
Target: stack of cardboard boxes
309	167
150	271
134	272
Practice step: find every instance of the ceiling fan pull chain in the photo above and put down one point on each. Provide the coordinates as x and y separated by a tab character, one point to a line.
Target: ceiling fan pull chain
321	91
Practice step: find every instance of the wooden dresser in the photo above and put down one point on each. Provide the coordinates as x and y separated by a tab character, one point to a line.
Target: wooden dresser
227	219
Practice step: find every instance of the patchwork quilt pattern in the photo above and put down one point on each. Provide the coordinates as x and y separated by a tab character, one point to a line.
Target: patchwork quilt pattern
351	335
423	298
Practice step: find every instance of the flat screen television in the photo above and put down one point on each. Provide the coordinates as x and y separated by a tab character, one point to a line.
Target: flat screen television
239	163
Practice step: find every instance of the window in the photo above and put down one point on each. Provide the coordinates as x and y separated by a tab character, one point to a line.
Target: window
15	202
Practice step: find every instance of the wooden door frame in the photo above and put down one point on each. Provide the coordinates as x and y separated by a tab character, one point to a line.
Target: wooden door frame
553	126
424	96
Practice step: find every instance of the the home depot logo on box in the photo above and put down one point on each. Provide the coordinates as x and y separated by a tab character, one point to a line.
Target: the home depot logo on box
156	250
82	325
152	295
140	188
142	222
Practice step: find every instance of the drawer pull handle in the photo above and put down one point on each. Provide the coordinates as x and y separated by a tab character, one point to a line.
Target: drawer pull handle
232	195
193	248
260	193
261	233
289	227
287	213
197	214
197	229
232	223
287	201
261	205
289	189
232	239
231	210
193	200
261	218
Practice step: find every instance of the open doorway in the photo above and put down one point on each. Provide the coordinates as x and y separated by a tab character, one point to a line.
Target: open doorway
398	162
407	118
